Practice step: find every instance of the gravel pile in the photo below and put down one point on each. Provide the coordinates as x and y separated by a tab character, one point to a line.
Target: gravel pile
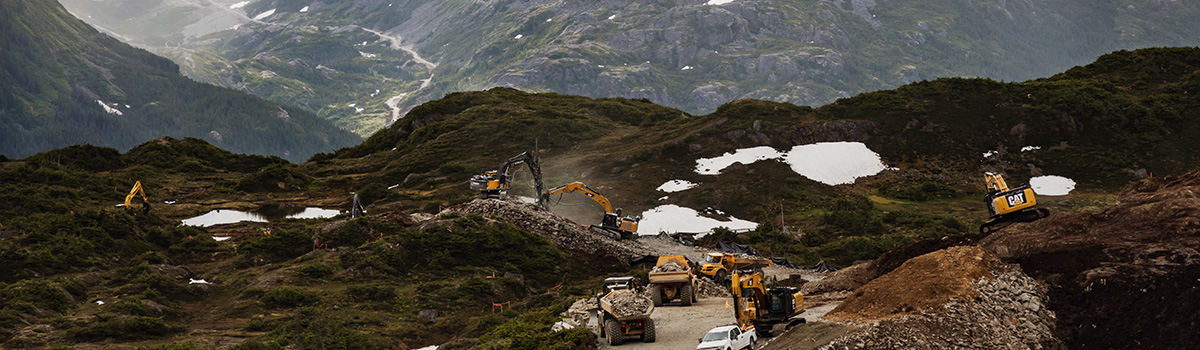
566	234
1009	313
625	304
706	288
669	267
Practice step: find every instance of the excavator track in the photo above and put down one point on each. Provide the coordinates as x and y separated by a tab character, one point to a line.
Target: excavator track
1000	222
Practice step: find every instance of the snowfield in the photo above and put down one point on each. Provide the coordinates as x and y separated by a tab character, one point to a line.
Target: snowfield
108	109
264	15
676	186
834	163
747	156
674	218
1052	185
831	163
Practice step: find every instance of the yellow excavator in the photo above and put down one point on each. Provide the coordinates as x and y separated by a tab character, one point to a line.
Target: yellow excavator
136	191
612	222
1007	206
495	183
768	310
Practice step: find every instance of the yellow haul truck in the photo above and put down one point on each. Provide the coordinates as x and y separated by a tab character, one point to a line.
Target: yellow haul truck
624	312
718	265
672	279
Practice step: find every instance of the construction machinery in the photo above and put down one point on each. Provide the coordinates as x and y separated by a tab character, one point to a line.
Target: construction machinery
495	183
624	311
718	265
672	279
612	222
137	191
768	310
1007	206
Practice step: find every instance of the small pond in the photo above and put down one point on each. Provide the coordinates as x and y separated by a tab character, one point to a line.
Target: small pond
263	214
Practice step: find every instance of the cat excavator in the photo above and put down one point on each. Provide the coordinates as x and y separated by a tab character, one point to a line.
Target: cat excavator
495	183
769	311
612	223
136	191
1007	206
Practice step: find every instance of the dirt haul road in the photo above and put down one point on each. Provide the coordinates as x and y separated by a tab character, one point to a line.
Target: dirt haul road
679	327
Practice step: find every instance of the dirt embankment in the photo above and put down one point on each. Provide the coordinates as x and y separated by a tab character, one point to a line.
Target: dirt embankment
960	297
1125	278
598	249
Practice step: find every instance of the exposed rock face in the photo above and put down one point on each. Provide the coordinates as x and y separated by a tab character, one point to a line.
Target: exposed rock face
1123	278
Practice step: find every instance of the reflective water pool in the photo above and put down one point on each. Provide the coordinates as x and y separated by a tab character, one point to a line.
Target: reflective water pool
263	214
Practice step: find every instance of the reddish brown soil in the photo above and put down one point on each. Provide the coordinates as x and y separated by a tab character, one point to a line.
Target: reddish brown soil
927	281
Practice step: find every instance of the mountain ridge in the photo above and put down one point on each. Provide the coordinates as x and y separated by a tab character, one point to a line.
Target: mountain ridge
65	83
684	54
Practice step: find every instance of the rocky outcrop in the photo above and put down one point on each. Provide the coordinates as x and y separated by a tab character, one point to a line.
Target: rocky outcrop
828	131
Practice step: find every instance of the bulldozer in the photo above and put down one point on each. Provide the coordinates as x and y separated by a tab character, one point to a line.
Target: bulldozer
495	183
768	310
138	191
612	222
1007	206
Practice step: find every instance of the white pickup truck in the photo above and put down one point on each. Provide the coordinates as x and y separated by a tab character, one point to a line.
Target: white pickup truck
728	338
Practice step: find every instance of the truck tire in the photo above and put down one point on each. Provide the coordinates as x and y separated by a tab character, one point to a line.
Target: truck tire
685	294
648	331
751	346
656	294
613	328
721	277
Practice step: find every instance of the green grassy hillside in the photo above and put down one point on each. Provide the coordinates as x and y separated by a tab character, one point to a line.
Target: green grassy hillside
57	72
65	246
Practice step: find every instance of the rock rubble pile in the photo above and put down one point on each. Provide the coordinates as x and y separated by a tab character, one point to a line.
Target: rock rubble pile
669	267
565	234
627	304
1009	313
706	288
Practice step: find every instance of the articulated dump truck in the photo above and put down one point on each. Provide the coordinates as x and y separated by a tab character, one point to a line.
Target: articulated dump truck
718	265
672	279
625	312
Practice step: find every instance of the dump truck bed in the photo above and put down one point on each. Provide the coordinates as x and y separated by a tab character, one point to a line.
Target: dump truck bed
670	277
627	306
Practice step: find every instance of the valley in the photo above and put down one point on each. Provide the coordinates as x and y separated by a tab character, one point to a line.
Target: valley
871	206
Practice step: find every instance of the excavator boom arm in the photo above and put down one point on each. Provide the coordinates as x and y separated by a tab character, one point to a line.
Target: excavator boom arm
581	188
137	190
534	167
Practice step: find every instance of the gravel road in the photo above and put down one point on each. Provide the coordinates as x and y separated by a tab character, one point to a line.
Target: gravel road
679	327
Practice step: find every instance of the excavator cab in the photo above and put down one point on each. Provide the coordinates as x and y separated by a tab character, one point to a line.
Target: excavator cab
614	220
1006	206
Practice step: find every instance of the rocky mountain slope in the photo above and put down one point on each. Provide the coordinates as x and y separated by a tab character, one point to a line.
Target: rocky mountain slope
64	83
694	55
